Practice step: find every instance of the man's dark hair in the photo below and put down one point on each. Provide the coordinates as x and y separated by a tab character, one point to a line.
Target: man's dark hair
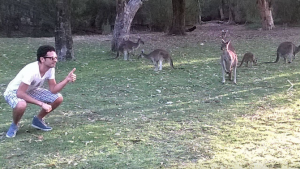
42	51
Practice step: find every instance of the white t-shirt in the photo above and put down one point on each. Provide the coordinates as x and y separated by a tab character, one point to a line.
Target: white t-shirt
31	76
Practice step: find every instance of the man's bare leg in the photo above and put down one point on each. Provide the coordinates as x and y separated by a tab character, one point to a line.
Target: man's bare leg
54	105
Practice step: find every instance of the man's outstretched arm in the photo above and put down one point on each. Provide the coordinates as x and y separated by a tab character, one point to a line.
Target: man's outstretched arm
57	87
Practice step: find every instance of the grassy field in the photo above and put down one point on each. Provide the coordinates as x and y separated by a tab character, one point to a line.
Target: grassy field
122	114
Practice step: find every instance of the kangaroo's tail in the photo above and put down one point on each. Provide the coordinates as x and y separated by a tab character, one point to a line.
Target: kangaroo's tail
171	64
277	59
241	63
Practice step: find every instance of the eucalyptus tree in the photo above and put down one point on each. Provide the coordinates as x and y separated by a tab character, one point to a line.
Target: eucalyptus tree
93	16
63	31
233	10
158	14
193	12
178	20
221	10
199	12
7	13
126	10
265	10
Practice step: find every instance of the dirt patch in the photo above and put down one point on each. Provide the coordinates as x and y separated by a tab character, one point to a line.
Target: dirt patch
207	32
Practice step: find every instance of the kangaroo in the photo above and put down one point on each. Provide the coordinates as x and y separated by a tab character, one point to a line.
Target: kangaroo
249	57
224	33
228	62
223	36
126	47
158	56
287	50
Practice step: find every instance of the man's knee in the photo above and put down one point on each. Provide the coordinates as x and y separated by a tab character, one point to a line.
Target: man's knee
21	105
59	100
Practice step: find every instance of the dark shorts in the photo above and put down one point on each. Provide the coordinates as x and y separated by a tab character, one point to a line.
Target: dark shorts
40	94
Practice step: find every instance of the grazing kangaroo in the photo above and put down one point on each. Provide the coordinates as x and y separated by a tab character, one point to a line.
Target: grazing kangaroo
287	50
228	62
126	47
158	56
249	57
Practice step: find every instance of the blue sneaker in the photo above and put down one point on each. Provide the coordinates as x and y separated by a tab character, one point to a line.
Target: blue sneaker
40	124
12	131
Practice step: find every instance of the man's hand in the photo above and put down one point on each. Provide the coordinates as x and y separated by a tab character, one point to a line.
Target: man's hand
71	76
46	107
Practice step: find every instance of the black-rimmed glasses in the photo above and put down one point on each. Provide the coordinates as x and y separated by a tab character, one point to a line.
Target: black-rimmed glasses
52	58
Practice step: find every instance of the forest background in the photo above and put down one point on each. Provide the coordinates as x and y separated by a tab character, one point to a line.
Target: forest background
35	18
125	115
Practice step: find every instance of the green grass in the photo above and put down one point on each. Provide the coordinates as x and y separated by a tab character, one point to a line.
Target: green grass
122	114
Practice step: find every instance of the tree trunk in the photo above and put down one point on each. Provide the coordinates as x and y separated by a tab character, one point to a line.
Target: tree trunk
265	9
199	12
222	17
8	15
221	10
63	31
125	14
178	22
238	13
231	16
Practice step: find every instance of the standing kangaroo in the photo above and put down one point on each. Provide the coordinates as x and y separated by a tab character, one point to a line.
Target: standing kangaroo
249	57
126	47
287	50
228	61
158	56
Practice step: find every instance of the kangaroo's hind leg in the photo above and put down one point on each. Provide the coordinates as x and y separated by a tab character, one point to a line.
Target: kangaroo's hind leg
223	71
234	72
223	75
230	76
126	55
156	65
160	64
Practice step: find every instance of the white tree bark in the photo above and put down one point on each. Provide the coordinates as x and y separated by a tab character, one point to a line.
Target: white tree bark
125	14
265	9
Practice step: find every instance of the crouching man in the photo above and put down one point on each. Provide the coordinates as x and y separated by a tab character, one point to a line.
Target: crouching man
26	88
